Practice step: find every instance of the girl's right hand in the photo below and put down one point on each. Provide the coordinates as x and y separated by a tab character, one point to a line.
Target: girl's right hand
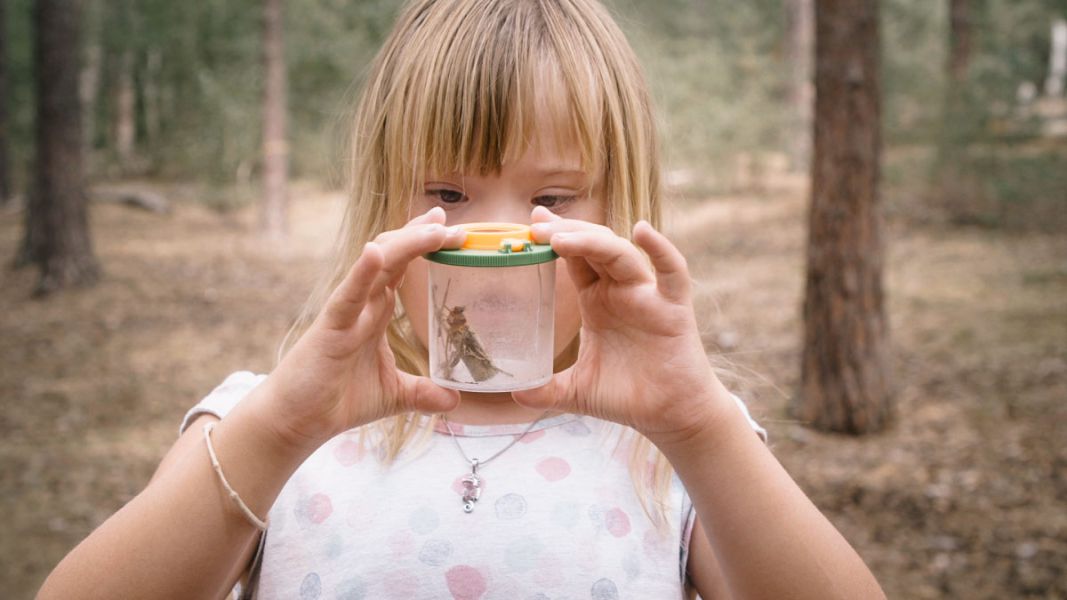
341	373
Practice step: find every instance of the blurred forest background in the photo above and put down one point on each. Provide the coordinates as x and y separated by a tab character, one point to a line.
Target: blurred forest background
961	497
173	92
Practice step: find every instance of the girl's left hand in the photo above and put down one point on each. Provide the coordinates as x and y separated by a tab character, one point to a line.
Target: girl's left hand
641	361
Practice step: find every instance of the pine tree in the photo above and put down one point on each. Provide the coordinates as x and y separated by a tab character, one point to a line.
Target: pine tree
845	369
56	236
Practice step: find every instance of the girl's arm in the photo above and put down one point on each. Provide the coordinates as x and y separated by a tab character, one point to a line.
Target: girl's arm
642	363
182	536
757	534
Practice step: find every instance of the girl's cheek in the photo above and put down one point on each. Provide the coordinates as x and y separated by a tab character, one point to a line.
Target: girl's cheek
417	206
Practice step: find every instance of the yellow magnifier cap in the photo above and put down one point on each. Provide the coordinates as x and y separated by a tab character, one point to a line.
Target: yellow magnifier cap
490	236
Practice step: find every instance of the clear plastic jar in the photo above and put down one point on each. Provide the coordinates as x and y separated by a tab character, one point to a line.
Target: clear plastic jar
491	310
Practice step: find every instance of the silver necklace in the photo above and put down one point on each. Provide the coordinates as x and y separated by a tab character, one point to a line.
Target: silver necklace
472	483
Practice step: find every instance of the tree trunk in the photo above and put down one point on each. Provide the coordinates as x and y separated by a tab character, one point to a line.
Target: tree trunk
56	237
125	123
88	88
153	63
275	147
845	367
955	190
5	139
801	52
961	40
1057	61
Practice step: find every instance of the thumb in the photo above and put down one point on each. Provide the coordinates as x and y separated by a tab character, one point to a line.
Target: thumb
423	395
557	394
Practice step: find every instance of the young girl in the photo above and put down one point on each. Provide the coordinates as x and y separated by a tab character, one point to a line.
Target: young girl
632	474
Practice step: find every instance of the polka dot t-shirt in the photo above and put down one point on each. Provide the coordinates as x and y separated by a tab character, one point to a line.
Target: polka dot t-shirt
558	517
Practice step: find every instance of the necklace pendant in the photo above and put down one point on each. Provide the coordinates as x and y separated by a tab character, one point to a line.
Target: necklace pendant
472	490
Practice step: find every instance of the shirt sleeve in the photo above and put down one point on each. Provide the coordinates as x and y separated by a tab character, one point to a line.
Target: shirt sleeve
760	431
223	398
689	518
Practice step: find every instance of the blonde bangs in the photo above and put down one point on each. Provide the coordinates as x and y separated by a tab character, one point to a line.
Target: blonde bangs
486	81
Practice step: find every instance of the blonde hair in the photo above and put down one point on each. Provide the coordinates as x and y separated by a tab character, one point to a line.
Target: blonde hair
456	88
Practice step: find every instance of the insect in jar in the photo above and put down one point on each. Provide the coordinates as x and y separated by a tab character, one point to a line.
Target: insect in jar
461	344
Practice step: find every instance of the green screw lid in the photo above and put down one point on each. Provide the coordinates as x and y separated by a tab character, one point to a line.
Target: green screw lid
537	253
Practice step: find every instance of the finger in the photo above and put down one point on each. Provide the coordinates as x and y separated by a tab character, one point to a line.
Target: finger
672	272
543	231
401	246
455	235
541	214
379	311
347	301
434	215
454	238
580	272
557	394
606	252
423	395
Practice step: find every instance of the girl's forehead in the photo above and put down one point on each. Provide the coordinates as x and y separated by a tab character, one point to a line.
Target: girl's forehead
543	141
552	124
535	162
549	161
533	117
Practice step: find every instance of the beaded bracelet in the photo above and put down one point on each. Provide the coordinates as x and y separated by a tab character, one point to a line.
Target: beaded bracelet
252	518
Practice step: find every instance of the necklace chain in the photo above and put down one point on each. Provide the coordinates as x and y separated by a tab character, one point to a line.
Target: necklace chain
479	463
472	483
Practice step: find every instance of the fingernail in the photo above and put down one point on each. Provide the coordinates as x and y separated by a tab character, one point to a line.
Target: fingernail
539	228
544	211
433	228
559	237
453	230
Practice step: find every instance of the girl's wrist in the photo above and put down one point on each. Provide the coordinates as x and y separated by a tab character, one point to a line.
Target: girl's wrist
714	415
266	412
255	458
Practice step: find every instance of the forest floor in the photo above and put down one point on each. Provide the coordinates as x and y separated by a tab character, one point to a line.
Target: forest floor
963	497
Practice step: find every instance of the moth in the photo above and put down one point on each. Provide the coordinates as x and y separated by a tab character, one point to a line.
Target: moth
461	343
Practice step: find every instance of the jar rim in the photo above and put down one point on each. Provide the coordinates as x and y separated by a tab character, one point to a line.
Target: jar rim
490	244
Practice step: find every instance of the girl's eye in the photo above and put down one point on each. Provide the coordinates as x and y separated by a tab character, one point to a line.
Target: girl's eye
447	196
553	202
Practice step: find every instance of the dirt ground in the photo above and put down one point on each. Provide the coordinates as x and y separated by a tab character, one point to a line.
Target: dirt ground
964	497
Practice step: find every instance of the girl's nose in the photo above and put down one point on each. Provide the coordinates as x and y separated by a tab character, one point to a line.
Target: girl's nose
506	209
